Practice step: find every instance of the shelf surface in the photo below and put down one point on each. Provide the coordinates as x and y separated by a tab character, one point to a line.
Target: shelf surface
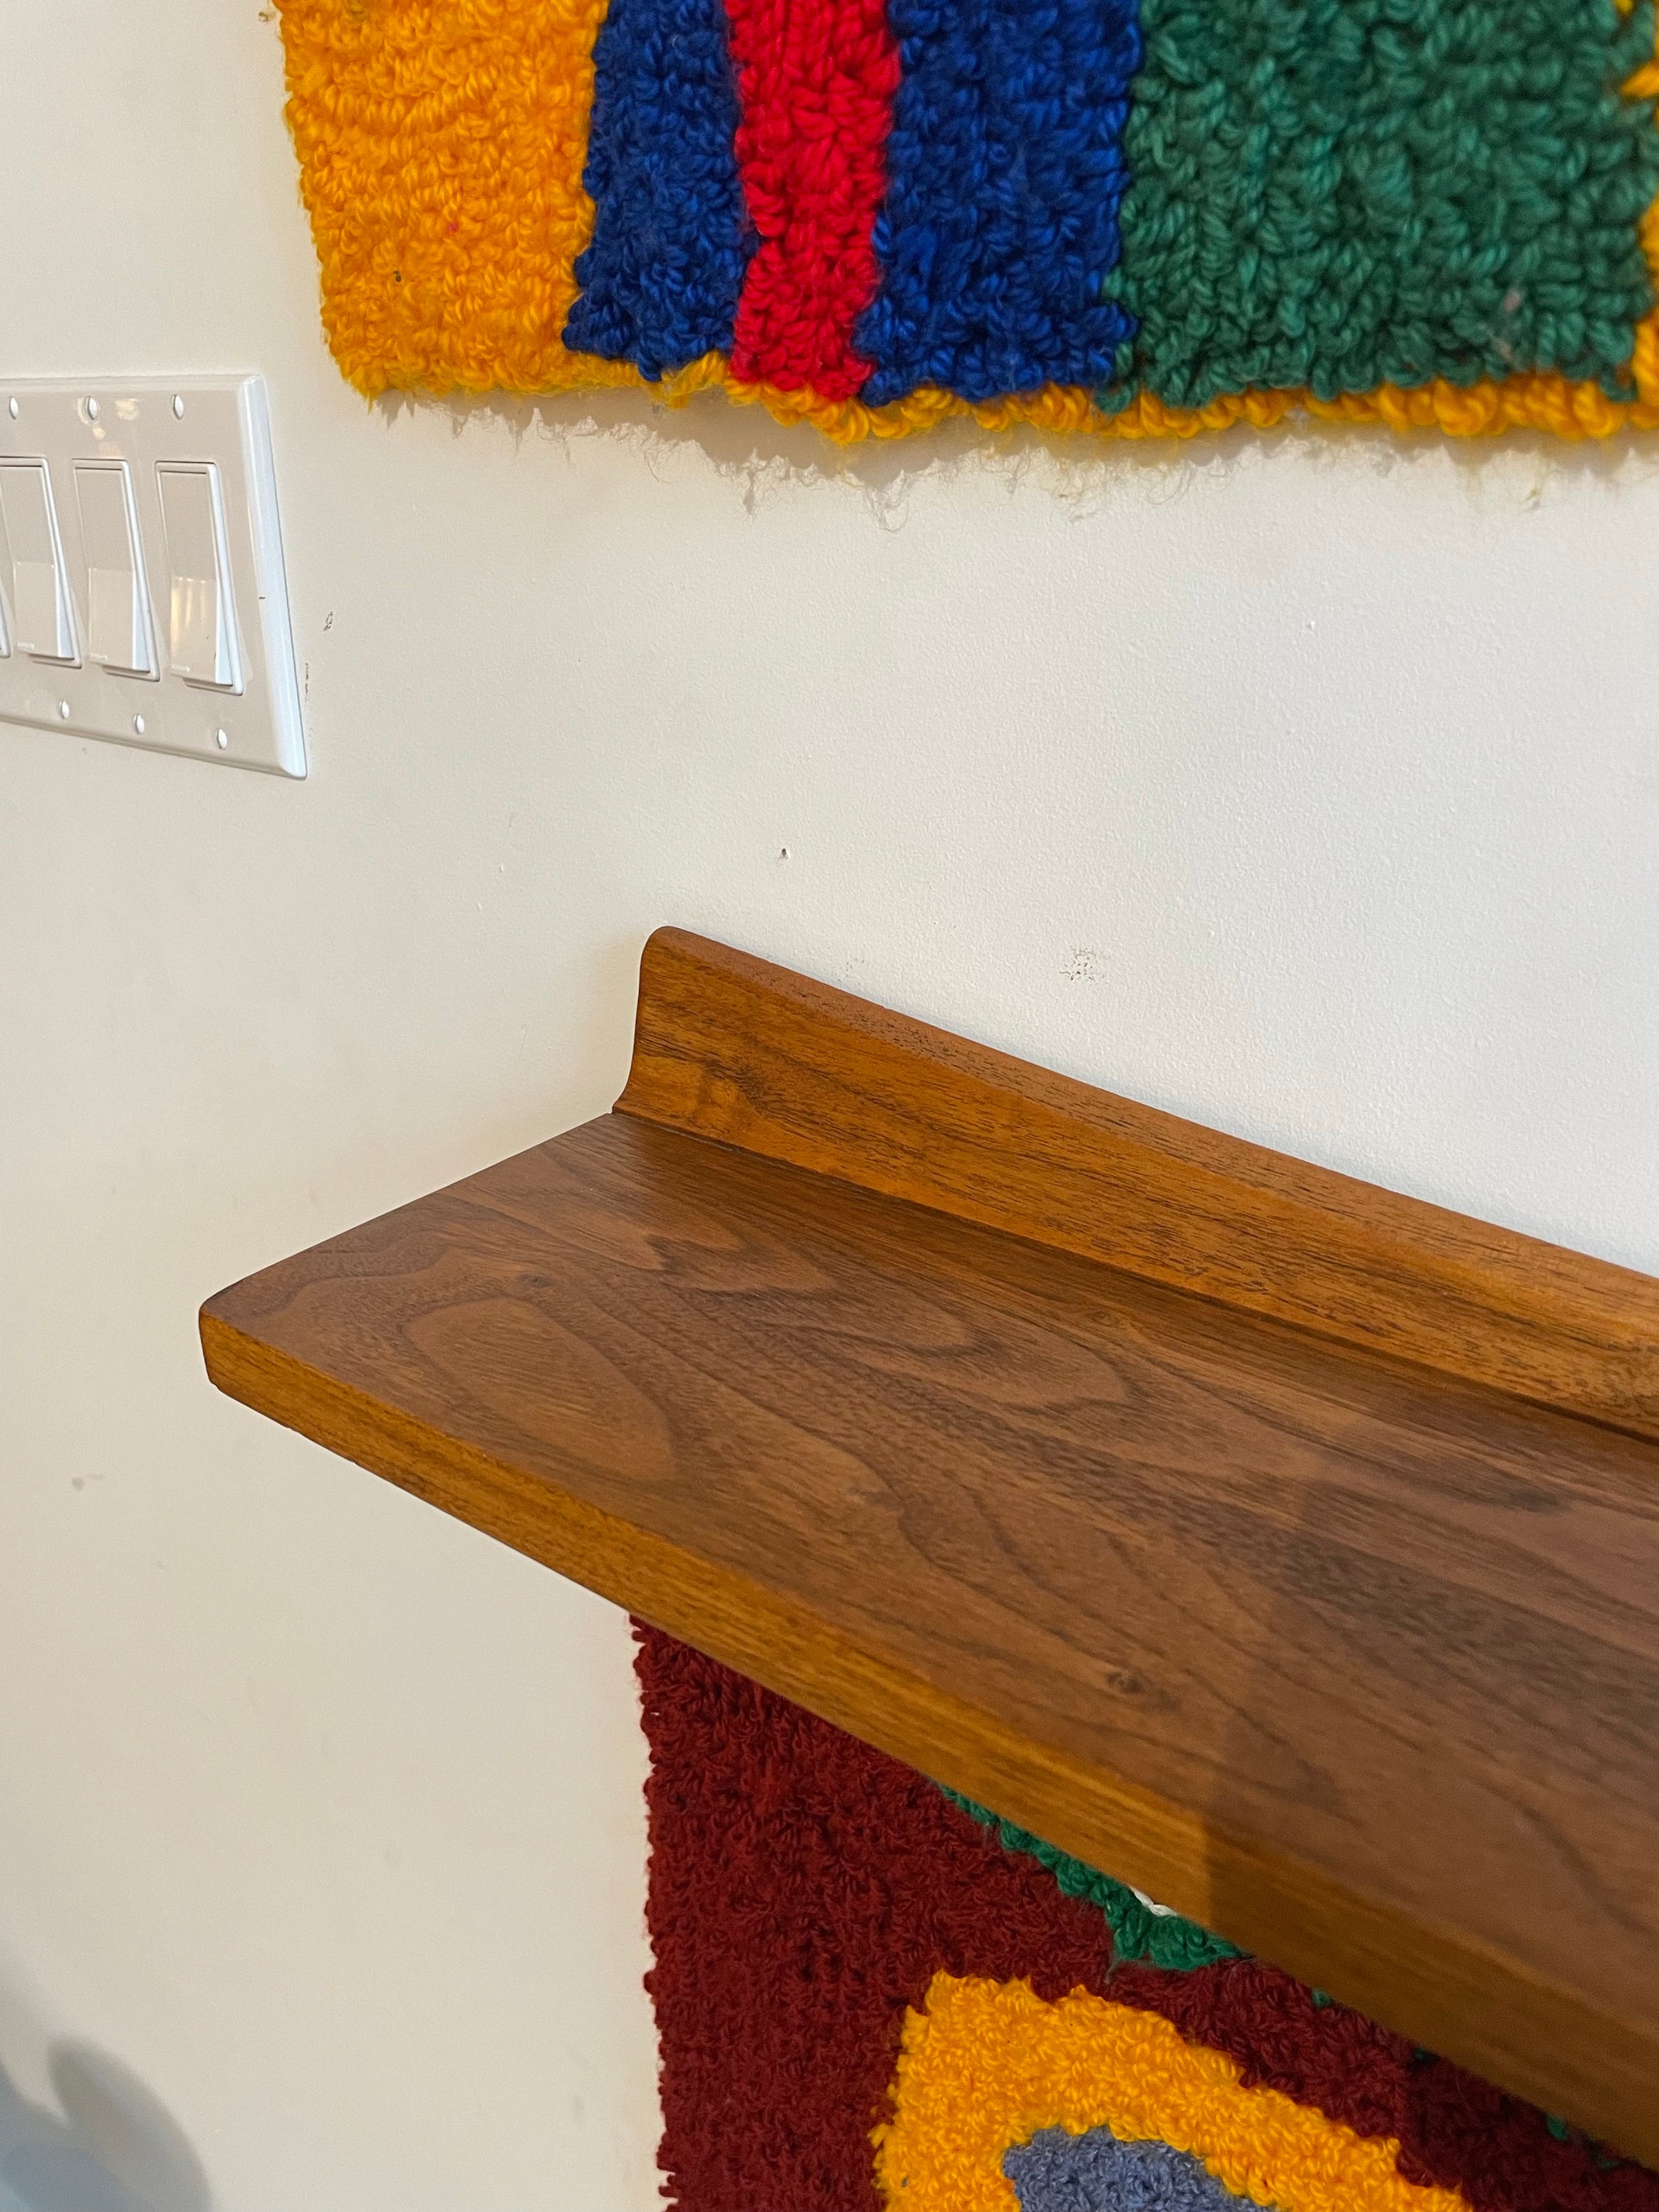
1355	1661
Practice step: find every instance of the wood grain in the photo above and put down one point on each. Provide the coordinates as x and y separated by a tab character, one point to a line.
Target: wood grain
731	1047
1355	1662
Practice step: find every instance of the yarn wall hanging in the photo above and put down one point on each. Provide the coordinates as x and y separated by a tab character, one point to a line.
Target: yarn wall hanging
1128	216
872	1998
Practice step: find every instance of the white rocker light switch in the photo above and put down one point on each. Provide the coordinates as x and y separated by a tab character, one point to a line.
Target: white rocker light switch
142	596
42	614
118	634
202	614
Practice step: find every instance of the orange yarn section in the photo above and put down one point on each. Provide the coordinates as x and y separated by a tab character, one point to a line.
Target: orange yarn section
988	2065
441	144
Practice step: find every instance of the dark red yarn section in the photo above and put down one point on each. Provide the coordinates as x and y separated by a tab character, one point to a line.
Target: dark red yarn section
1453	2130
815	80
805	1890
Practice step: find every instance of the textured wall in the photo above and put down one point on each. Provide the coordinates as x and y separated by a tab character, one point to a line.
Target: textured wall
1309	788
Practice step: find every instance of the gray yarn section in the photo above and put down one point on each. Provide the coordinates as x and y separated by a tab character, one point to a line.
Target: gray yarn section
1097	2172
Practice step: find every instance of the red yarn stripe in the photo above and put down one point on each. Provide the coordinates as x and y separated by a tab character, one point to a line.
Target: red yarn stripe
815	80
805	1889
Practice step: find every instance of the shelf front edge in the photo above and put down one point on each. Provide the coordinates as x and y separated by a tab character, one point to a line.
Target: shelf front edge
1538	2040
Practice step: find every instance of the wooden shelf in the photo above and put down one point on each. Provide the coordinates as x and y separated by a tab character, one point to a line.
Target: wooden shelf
1288	1548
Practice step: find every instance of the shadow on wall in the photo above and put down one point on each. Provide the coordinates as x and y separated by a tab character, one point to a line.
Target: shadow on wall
747	445
115	2149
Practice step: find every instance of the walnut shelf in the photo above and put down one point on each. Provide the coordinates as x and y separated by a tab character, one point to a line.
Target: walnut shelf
1289	1548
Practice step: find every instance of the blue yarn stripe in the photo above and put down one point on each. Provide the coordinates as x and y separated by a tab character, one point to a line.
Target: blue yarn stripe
1097	2172
1006	172
672	239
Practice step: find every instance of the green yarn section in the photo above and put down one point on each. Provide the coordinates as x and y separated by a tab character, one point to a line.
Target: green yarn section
1161	1938
1340	193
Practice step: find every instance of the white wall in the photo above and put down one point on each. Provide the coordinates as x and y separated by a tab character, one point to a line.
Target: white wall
1309	788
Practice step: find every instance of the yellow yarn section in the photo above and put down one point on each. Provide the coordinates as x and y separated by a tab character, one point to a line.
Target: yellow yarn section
1525	402
440	145
988	2064
1055	407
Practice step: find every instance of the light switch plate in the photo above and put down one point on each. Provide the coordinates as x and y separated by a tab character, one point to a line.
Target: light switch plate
216	425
